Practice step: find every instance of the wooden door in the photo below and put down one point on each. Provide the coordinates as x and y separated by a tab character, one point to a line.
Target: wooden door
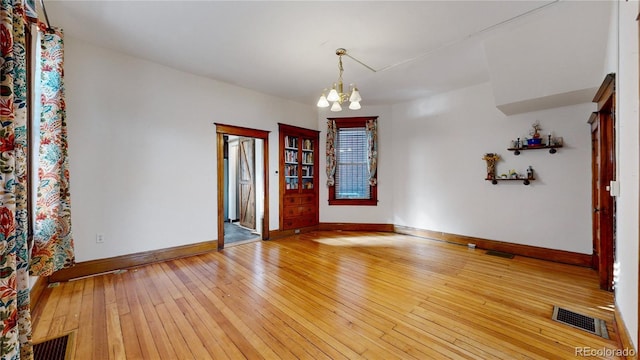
246	183
603	167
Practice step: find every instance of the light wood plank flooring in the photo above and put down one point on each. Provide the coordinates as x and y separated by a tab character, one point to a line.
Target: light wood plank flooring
329	295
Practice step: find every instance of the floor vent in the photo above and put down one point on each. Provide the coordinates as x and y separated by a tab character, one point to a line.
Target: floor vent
54	349
500	254
582	322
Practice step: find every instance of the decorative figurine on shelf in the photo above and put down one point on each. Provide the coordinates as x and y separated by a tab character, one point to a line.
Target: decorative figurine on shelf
530	173
491	160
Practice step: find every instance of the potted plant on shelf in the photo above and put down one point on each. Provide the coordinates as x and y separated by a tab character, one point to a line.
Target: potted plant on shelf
536	139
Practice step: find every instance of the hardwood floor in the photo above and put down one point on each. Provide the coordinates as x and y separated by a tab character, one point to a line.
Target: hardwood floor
330	295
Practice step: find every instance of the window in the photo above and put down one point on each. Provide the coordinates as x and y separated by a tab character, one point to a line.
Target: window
33	77
33	68
353	145
31	32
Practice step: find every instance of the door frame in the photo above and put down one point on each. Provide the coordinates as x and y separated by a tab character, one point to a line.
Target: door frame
603	121
221	130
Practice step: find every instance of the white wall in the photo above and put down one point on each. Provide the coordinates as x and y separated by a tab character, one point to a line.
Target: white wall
529	72
438	145
383	212
142	149
628	163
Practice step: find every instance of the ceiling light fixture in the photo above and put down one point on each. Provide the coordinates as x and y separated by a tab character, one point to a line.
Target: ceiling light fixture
337	95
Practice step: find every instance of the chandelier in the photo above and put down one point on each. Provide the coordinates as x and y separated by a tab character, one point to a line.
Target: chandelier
337	95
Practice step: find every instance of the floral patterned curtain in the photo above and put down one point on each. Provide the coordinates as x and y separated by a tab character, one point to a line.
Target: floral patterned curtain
372	143
52	242
331	152
15	317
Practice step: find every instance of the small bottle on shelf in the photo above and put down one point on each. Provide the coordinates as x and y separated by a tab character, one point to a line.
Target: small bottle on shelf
530	173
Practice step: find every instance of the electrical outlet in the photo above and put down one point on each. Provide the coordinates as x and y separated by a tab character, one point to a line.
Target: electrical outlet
296	231
99	238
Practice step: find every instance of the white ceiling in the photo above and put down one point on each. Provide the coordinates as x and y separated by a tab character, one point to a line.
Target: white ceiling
287	49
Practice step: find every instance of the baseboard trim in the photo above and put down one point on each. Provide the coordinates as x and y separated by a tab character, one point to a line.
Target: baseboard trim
99	266
560	256
624	338
279	234
36	290
355	227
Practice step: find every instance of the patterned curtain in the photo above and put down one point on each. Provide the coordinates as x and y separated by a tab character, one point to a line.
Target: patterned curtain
15	317
52	242
331	152
372	143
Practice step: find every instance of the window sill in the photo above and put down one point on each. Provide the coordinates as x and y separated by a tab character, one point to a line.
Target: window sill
355	202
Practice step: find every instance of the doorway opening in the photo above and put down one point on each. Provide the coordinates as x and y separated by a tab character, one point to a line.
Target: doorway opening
243	202
243	198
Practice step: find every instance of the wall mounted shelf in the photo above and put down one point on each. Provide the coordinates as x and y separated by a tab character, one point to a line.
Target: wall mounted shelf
524	181
552	148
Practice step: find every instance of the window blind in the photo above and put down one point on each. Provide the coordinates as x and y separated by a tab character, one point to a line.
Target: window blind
352	176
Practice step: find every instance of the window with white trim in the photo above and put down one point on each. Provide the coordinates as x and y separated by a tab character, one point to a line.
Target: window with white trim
352	184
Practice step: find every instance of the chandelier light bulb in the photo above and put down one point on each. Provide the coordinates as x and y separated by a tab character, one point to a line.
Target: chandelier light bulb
333	94
355	95
336	106
323	102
